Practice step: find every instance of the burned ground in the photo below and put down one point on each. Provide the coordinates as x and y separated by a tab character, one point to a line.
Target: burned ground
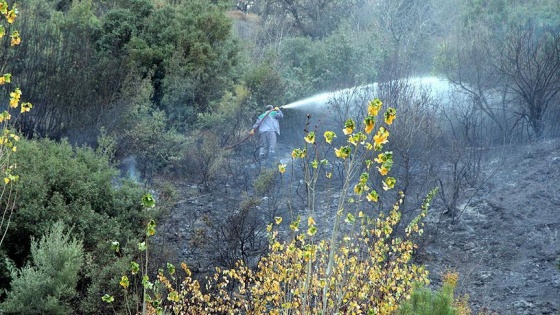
505	244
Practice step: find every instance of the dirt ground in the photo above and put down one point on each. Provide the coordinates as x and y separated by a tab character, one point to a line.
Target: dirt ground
505	245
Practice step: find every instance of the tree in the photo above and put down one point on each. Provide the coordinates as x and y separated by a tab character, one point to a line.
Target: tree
48	285
503	55
308	18
530	62
406	28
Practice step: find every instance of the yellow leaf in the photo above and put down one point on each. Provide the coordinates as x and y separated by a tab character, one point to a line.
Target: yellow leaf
310	221
389	183
374	107
373	196
15	39
11	16
6	180
369	123
310	137
312	230
173	296
383	171
329	135
390	115
124	282
278	220
315	164
358	189
298	153
381	137
342	152
26	107
364	178
282	168
349	126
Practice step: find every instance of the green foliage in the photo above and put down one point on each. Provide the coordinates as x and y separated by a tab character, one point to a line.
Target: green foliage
351	58
147	134
266	84
78	56
300	59
106	272
344	59
7	267
106	145
134	281
424	301
73	185
205	157
227	119
307	17
197	53
265	182
48	285
79	188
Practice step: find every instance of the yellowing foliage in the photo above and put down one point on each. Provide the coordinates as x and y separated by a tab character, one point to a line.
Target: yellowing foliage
372	273
365	268
329	136
8	139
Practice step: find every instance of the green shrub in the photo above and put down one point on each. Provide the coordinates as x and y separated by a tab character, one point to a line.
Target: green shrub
79	188
205	158
265	182
147	135
424	301
76	186
48	285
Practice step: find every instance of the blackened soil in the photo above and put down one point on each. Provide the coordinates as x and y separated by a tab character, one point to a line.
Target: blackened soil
505	243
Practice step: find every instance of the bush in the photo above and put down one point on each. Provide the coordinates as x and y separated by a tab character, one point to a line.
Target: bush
48	285
147	135
424	301
265	182
79	188
205	157
239	236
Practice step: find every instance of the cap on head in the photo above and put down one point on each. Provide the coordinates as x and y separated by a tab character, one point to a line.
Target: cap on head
269	107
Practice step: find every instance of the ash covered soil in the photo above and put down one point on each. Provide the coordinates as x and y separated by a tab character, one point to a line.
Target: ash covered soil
505	245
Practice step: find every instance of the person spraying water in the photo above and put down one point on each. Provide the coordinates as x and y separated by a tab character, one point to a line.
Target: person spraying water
268	127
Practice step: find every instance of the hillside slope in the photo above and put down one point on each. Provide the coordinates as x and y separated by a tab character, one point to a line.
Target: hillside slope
506	244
